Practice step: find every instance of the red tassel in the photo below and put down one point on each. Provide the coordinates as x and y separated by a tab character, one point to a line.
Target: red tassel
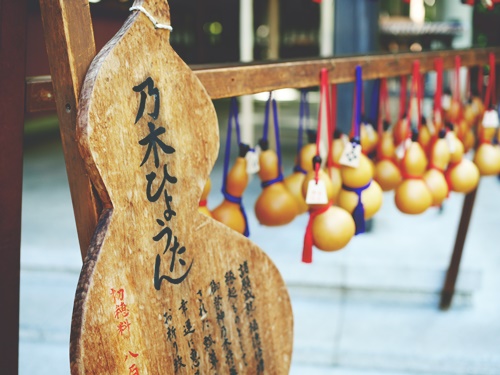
308	238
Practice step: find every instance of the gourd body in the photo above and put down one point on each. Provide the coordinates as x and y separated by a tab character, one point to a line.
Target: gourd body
275	205
294	181
229	213
333	229
437	185
463	177
387	174
401	131
360	176
336	180
487	159
412	195
434	177
424	137
371	198
456	149
368	138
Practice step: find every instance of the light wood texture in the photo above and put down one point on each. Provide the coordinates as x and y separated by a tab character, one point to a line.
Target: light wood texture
12	73
135	282
224	81
70	46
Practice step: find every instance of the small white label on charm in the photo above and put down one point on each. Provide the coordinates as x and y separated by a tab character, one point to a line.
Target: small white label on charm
351	155
252	158
490	119
446	102
316	192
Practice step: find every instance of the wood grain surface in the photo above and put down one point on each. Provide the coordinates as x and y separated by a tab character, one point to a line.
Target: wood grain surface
224	81
165	289
69	40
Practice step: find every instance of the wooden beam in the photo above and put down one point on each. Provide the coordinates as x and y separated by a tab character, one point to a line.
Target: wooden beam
69	39
224	81
12	73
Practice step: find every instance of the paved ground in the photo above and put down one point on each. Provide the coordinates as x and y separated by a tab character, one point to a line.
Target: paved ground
370	309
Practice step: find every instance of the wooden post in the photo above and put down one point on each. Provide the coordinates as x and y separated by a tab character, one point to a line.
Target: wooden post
274	30
12	75
451	276
69	39
327	16
246	55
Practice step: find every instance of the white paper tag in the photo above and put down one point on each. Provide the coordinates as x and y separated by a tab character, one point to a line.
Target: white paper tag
316	192
490	119
437	117
252	158
431	127
402	147
370	132
446	102
344	138
450	140
351	155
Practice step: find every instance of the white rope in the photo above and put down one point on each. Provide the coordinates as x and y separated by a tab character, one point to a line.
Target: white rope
151	18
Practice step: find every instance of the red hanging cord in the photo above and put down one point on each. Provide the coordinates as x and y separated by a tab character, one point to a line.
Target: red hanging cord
456	93
402	97
438	95
480	82
383	107
415	92
324	101
332	124
490	97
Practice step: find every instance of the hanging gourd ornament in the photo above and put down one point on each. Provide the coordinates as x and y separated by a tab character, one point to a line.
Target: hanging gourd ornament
471	112
401	130
489	124
231	211
412	195
424	134
434	177
305	153
294	181
368	137
202	206
330	228
462	175
360	195
487	159
275	205
387	173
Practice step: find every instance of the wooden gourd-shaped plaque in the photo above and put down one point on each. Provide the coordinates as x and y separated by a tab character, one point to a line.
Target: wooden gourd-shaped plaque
165	289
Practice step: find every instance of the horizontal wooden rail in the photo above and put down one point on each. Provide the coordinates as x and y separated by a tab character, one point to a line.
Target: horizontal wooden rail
223	81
